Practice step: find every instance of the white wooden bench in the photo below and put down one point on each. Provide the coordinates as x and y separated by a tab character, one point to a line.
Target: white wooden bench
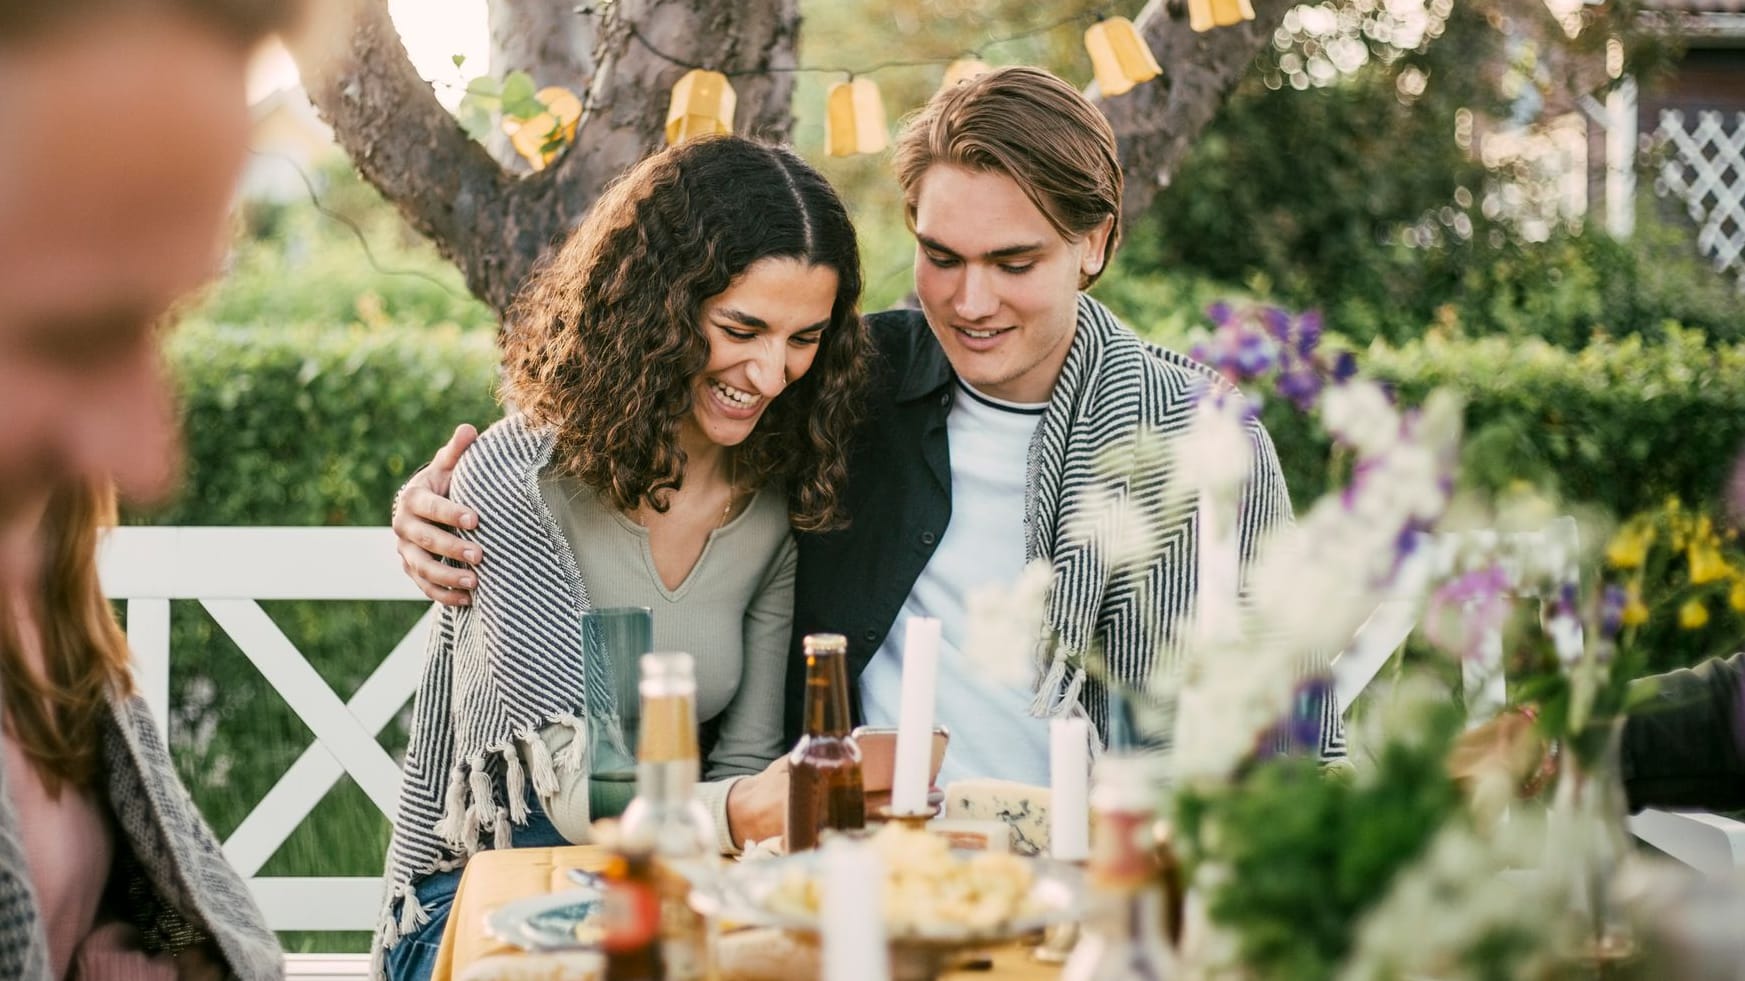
228	570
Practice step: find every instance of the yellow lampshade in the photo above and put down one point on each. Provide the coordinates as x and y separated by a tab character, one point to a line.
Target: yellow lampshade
1119	56
541	138
1203	15
962	70
854	119
702	105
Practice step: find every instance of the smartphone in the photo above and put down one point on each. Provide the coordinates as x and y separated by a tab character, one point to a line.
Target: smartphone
878	755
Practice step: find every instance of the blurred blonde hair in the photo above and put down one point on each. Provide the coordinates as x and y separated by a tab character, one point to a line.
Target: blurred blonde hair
56	715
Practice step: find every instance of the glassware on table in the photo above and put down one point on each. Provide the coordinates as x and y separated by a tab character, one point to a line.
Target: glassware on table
620	635
825	787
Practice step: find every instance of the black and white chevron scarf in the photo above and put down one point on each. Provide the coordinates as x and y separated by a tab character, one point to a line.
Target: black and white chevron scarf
1105	444
497	672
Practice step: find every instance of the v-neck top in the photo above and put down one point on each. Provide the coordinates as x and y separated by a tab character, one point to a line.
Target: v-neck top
732	612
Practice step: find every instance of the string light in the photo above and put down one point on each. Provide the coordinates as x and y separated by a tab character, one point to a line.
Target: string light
854	119
702	105
703	100
1203	15
1119	56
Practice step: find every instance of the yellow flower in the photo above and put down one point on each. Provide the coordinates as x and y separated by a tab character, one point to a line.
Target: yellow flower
1693	615
1706	564
1628	549
1736	595
1635	612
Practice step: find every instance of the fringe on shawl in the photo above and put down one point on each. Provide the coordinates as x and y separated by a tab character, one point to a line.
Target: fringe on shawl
470	808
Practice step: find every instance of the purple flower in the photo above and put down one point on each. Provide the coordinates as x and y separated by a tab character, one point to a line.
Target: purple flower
1253	356
1344	366
1612	610
1302	386
1219	313
1308	332
1277	323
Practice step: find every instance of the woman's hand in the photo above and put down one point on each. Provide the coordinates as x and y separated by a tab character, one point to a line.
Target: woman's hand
757	807
423	515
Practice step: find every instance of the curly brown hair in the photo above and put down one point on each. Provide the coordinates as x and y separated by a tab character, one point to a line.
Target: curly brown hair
604	342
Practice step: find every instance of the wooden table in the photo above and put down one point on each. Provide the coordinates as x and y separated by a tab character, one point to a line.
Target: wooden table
496	877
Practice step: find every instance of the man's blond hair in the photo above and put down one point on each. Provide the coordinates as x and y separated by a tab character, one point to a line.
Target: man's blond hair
1033	127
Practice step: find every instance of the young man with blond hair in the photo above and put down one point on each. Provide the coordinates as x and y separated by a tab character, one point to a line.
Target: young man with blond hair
1003	414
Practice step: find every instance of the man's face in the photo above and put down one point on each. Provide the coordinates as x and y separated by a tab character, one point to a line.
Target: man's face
998	284
122	141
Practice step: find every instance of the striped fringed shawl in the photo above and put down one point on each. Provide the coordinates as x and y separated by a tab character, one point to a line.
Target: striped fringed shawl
497	672
1106	437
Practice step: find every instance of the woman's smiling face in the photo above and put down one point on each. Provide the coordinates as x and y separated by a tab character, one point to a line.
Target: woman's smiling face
763	333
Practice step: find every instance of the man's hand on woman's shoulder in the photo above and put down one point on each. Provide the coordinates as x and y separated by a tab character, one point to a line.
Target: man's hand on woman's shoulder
423	521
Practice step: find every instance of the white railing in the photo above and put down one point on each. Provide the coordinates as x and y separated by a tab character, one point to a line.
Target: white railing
228	570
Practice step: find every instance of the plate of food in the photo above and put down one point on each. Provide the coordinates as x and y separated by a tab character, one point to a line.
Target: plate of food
567	920
936	899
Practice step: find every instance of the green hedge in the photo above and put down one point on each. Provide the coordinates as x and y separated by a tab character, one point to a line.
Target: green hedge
1618	424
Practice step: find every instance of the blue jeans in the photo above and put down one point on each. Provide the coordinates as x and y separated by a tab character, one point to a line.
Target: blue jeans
414	957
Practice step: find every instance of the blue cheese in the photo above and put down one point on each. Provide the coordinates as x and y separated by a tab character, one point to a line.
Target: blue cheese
1021	807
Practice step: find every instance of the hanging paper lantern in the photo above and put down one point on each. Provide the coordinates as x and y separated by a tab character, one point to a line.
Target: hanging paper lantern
702	105
1119	56
539	139
854	119
1203	15
962	70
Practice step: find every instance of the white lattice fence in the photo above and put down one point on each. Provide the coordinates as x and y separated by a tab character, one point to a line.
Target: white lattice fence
1706	171
228	571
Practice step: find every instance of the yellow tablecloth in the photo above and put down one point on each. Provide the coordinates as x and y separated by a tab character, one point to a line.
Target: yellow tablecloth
493	878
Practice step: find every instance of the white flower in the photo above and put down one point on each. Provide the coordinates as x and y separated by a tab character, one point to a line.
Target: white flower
1005	626
1359	414
1214	452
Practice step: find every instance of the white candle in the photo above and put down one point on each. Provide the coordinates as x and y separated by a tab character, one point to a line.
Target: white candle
915	716
1069	765
853	913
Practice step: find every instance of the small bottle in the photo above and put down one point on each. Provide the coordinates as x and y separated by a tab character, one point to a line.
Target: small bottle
630	918
1123	932
665	821
825	790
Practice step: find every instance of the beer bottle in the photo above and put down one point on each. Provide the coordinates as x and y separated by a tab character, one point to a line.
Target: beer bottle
824	782
665	820
630	918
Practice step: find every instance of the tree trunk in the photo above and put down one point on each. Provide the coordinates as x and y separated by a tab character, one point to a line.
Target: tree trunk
624	56
494	225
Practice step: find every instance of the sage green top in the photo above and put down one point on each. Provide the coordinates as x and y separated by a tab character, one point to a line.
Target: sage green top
732	613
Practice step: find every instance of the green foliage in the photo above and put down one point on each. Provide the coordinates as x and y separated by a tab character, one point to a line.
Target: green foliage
312	426
1301	855
304	262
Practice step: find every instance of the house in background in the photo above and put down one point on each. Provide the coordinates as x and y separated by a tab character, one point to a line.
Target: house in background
1692	127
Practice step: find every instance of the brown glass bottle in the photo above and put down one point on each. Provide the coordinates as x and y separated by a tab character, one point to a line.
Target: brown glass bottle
631	936
824	782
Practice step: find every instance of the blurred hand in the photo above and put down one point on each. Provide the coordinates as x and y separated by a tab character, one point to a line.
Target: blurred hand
1500	759
757	807
423	517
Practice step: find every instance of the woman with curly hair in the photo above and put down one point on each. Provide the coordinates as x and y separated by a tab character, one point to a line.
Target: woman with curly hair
683	374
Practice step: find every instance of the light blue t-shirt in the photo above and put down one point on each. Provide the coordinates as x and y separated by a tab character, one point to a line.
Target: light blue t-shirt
992	731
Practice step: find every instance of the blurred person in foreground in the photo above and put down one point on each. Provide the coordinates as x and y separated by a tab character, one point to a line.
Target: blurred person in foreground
124	127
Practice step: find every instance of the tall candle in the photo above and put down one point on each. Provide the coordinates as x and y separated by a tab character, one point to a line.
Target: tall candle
1069	764
852	914
915	716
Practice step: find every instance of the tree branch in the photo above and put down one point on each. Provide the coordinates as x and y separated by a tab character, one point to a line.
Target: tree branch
1155	124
